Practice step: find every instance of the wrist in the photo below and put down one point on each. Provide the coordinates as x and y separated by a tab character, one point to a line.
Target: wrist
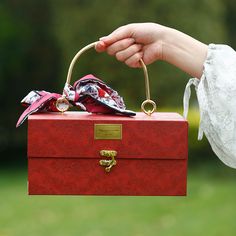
183	51
161	40
170	43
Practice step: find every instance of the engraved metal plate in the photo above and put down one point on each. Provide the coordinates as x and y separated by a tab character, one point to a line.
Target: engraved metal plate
107	131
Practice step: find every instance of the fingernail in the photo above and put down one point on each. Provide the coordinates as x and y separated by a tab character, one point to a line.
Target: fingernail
101	44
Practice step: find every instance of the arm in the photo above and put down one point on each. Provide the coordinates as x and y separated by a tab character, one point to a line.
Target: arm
185	52
153	42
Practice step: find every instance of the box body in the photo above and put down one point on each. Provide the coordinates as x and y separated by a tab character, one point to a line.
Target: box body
64	154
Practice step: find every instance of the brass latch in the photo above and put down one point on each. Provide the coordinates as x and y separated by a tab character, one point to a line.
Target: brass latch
108	164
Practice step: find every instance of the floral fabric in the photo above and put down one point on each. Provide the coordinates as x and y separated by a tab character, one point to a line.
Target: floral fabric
89	94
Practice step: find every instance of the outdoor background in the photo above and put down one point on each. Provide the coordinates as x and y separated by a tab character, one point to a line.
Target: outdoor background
38	39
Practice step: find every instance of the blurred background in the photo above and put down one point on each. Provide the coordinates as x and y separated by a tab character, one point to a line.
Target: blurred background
38	39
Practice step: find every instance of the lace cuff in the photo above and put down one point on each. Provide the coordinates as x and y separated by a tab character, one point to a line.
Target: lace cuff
216	94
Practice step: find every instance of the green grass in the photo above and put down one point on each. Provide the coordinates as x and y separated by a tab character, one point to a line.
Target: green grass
209	209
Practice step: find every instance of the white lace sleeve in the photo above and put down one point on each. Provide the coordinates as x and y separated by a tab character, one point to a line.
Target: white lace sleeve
216	94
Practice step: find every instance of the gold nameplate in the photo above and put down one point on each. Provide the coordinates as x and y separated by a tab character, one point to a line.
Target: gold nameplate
107	131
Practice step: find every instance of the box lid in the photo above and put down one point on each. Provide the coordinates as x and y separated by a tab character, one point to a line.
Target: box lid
73	135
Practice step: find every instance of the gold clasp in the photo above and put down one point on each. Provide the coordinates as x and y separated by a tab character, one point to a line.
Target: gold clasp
108	163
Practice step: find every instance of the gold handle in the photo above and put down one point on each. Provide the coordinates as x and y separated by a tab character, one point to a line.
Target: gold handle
78	54
147	87
108	164
63	105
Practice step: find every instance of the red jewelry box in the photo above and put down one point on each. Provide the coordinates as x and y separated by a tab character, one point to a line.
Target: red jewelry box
76	153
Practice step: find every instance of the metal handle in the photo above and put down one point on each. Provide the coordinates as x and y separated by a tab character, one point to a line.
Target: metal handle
63	105
147	88
78	54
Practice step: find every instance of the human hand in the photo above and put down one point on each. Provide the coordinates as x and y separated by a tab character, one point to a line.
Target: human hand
132	42
152	42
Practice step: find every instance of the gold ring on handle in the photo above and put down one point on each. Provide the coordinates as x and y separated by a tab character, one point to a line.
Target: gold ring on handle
150	102
62	104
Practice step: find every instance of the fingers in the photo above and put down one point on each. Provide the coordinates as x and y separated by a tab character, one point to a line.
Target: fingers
131	53
100	46
133	61
119	34
115	47
119	46
128	52
115	39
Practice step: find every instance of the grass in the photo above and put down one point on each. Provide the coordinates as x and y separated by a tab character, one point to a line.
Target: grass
209	209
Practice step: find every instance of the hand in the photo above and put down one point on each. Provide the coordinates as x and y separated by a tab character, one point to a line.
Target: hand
131	42
152	42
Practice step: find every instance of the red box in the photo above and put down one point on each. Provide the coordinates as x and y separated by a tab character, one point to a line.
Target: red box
64	154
